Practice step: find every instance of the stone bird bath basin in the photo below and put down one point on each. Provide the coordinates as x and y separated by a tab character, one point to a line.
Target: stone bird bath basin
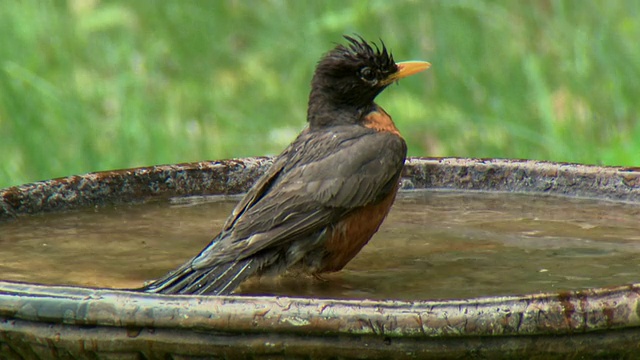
44	321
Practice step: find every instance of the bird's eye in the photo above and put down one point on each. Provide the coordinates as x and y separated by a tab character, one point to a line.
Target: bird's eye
367	74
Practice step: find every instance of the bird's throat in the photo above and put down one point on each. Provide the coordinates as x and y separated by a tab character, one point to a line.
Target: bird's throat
380	121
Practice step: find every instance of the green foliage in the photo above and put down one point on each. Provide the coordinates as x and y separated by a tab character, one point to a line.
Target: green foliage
88	85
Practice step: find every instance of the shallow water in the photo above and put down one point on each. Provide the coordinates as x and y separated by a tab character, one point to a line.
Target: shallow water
434	244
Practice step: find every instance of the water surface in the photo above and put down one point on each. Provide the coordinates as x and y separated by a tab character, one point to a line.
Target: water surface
434	244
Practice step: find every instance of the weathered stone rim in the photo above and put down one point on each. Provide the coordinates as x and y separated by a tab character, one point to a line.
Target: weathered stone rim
512	326
236	176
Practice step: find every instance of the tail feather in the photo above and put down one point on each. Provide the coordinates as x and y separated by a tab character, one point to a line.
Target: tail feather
219	280
227	281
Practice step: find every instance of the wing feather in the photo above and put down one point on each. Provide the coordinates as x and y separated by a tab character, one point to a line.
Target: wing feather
317	180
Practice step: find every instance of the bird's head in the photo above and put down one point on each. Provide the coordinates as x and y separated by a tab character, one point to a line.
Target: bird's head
350	76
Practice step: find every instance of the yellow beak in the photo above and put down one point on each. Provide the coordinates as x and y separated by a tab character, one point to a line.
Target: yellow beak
407	68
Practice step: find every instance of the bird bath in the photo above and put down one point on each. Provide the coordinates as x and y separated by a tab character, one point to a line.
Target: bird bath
486	258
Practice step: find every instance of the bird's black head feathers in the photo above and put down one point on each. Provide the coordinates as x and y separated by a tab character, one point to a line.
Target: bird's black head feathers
351	76
360	53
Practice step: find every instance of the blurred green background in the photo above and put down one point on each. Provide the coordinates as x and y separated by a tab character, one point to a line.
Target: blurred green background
88	85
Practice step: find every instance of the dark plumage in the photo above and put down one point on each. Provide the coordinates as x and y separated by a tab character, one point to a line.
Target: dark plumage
325	195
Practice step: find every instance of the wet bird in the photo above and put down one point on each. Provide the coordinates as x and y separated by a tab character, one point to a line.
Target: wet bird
325	195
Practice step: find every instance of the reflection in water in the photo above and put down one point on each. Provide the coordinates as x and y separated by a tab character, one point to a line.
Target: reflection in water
433	245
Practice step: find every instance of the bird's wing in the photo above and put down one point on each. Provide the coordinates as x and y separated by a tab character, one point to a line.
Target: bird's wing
318	179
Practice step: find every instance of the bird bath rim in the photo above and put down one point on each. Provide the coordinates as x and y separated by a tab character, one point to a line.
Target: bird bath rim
590	321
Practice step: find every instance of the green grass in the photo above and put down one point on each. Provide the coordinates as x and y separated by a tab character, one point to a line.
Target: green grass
88	85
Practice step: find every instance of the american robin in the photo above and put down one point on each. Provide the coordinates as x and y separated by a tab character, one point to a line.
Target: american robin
327	193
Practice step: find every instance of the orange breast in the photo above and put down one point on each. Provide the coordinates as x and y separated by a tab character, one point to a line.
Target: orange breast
349	235
379	120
